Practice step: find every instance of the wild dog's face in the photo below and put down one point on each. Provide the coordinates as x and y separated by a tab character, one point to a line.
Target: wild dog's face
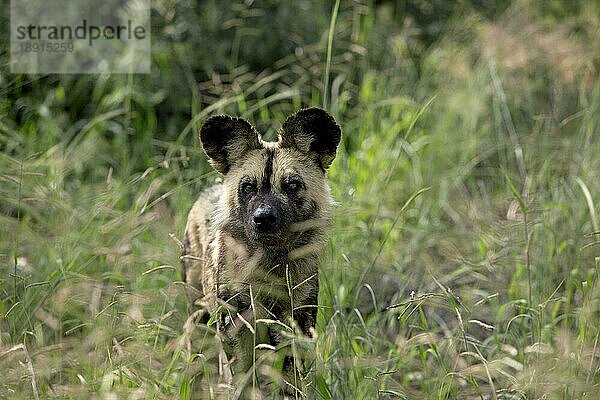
274	190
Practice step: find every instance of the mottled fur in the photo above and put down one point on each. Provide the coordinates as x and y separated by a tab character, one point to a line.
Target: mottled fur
255	239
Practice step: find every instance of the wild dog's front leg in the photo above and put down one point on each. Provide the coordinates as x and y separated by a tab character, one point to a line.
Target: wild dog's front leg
306	314
298	360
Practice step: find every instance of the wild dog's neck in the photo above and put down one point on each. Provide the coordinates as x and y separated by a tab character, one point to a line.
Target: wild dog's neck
305	246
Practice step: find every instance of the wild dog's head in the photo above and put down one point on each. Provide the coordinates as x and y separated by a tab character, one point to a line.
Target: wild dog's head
275	190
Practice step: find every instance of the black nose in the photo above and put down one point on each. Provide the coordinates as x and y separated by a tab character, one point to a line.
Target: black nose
265	216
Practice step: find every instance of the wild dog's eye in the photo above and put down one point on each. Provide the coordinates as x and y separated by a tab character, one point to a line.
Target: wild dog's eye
247	185
292	184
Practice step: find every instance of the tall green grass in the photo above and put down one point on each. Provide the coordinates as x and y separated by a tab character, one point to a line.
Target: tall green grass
464	260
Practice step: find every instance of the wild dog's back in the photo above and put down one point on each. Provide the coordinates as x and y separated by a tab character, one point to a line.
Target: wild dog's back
198	237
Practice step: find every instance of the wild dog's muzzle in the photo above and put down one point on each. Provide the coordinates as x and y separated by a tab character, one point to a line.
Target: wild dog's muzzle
265	218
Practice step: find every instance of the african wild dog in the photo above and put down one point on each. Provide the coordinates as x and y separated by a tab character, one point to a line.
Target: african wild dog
252	243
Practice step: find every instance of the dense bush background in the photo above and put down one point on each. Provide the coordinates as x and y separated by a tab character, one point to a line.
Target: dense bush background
465	257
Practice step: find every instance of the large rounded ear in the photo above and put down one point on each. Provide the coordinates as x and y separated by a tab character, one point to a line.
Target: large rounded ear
312	131
226	139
